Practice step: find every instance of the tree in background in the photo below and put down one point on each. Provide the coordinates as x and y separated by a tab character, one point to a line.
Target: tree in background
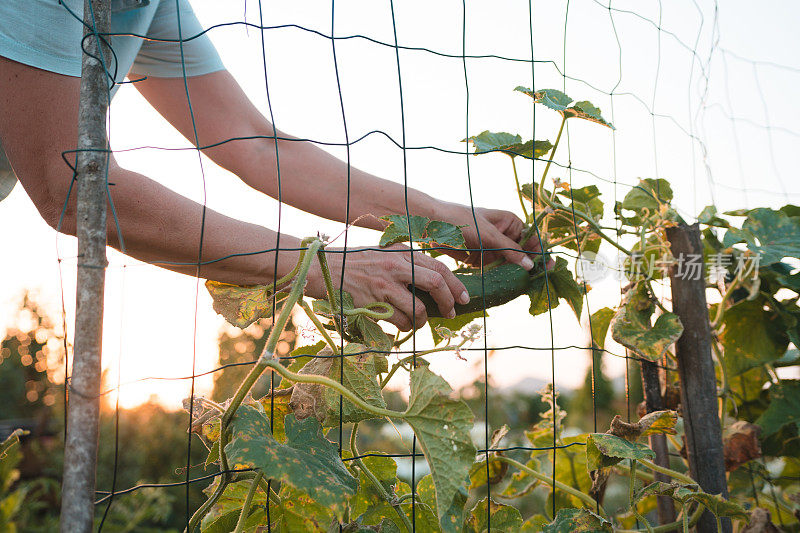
238	347
31	355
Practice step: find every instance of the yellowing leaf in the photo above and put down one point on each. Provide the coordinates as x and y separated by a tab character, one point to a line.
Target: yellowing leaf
511	145
502	517
359	375
242	305
577	521
784	407
308	461
442	426
422	231
604	450
631	325
587	111
751	336
648	194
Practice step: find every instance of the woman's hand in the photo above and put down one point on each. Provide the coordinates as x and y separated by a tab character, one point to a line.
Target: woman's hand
499	230
384	276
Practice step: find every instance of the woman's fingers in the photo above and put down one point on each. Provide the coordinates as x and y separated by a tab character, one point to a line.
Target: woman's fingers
509	249
408	310
534	244
434	284
455	287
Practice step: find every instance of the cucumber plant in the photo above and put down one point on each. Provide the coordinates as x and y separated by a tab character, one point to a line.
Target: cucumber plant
277	466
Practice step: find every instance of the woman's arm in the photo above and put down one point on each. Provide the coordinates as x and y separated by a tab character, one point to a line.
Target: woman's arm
311	179
38	117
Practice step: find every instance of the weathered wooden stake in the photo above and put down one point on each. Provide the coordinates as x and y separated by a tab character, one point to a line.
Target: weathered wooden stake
654	401
83	409
696	368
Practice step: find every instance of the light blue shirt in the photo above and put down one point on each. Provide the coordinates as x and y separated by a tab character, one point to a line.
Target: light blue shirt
47	34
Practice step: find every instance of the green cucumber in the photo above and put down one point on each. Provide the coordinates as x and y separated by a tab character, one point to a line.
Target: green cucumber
502	284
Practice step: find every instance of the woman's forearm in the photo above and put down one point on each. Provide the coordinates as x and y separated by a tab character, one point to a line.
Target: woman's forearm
238	137
317	182
164	228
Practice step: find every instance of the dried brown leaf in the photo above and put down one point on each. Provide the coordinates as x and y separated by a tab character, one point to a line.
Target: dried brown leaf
741	444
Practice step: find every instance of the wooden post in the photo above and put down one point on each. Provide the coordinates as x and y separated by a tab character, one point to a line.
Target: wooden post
696	368
83	409
654	401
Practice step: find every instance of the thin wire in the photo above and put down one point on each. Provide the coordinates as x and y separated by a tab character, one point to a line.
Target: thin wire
116	402
546	280
411	255
487	422
342	318
278	232
199	261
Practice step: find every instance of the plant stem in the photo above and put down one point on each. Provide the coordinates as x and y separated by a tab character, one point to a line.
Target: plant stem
631	502
393	502
552	155
579	214
519	191
582	496
201	511
296	293
644	476
583	216
248	501
310	313
326	276
404	360
667	471
275	366
400	342
672	526
274	336
334	303
726	389
11	439
728	292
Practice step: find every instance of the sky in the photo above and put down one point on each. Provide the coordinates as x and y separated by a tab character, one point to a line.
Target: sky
703	95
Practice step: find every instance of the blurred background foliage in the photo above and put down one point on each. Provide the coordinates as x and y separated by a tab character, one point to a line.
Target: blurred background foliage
148	443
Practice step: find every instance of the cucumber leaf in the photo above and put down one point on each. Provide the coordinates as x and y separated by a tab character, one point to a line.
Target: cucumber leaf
562	285
454	515
587	111
601	320
512	145
719	505
771	234
784	407
359	375
241	305
677	491
308	461
503	517
751	336
604	450
301	512
551	98
577	521
631	325
648	194
442	427
423	231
